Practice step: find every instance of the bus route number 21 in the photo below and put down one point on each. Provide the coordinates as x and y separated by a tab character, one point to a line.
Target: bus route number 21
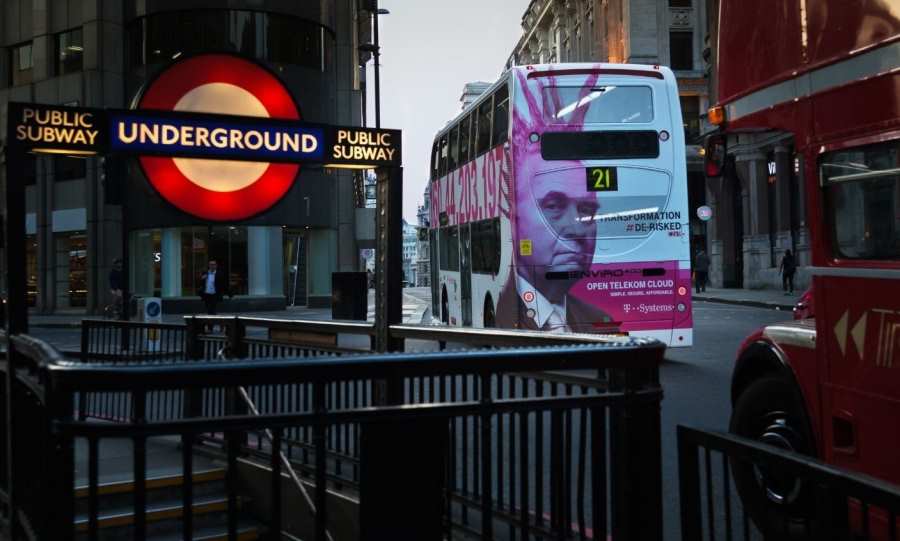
602	179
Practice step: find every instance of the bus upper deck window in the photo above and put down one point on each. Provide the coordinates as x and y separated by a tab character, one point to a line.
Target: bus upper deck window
483	141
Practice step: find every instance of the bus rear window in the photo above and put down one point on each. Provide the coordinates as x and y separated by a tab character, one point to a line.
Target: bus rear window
599	145
608	104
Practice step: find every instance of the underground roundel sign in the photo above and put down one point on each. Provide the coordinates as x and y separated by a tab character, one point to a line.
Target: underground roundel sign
215	189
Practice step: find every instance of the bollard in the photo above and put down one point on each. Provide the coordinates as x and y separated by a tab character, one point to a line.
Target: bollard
636	453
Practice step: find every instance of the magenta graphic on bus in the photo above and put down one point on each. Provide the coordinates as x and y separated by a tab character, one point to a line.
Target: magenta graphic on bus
559	203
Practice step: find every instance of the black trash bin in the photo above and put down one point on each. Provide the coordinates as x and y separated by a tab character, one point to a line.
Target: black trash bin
349	295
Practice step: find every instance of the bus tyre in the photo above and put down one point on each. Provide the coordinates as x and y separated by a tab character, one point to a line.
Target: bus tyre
768	411
490	321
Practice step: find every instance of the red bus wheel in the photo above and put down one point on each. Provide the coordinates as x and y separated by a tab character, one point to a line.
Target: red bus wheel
768	411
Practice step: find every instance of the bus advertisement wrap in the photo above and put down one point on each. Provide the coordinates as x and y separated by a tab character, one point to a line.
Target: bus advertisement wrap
586	174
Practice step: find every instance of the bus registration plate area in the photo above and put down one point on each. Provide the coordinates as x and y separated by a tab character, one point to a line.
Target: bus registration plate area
602	179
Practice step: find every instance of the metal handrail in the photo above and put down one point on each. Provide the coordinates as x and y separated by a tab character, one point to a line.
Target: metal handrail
616	355
875	491
310	325
284	460
507	337
95	322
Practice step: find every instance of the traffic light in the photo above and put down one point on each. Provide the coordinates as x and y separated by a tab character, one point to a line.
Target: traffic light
112	178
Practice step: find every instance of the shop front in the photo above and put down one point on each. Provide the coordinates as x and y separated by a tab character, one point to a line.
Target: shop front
168	263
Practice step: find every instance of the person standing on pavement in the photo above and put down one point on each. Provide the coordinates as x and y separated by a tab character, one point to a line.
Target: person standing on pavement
115	287
788	268
213	286
701	267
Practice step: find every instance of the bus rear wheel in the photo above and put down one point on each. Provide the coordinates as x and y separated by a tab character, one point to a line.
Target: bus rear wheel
769	411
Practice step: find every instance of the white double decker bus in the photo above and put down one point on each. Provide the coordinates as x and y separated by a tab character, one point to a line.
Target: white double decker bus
559	202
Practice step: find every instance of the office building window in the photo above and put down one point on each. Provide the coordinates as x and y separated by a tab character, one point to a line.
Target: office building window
281	39
21	64
681	50
690	114
71	269
69	52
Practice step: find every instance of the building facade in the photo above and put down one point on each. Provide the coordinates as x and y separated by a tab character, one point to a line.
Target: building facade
759	207
664	32
410	249
81	215
423	250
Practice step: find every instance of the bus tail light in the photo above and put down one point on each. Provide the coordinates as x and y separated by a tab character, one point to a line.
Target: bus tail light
682	291
714	157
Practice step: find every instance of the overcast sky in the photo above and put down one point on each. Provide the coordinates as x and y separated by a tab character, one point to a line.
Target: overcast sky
430	49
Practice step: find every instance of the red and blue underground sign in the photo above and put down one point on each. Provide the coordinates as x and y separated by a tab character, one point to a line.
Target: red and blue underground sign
217	136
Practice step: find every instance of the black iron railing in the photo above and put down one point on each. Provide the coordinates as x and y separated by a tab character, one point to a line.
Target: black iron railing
458	440
735	488
104	340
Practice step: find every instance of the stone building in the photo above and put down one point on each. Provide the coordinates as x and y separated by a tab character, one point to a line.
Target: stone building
99	54
423	250
759	207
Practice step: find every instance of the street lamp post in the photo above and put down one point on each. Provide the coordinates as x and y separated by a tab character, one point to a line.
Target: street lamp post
375	49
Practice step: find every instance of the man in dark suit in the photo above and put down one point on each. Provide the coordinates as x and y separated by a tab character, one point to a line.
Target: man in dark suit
213	286
514	312
554	240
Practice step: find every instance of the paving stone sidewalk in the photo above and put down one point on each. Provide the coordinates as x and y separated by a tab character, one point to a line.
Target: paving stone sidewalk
763	298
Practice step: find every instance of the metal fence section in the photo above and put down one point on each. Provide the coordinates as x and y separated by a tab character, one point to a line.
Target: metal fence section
104	340
530	458
736	488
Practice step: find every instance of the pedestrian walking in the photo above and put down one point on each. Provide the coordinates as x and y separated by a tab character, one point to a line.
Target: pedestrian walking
115	288
701	268
788	268
213	286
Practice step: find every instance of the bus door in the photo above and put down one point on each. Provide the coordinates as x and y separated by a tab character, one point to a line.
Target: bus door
465	273
858	325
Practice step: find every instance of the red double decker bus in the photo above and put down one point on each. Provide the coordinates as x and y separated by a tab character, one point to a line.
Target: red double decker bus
823	77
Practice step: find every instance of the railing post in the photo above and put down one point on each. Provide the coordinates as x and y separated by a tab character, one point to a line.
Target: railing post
10	420
85	340
689	487
59	472
193	397
193	345
237	345
235	405
636	450
831	521
402	487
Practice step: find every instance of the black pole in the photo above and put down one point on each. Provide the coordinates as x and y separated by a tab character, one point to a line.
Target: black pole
377	72
16	301
122	173
389	256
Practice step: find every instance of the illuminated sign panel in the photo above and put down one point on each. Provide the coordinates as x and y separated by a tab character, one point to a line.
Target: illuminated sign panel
218	136
215	138
57	129
100	131
364	145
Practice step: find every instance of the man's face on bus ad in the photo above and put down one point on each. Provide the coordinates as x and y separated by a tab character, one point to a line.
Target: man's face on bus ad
556	213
